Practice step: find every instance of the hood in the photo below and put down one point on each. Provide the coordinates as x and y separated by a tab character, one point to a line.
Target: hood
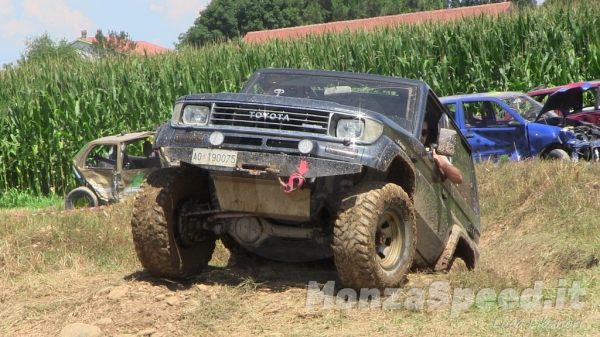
565	99
262	100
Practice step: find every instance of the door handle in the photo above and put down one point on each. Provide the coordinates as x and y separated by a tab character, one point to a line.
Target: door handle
469	135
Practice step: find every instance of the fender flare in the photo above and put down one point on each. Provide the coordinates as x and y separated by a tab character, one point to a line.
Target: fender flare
394	153
469	251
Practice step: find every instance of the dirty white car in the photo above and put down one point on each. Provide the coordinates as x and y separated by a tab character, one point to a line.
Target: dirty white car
112	168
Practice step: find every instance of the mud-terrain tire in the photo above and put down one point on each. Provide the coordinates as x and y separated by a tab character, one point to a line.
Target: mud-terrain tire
558	154
372	209
81	197
159	247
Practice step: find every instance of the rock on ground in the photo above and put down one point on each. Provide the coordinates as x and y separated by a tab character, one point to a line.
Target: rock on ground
80	330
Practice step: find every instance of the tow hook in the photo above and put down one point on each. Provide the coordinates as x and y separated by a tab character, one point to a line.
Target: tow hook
296	180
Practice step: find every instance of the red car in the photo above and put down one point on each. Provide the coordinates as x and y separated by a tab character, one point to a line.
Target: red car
587	100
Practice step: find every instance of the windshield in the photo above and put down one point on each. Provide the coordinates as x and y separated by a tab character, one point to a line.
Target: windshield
526	106
393	99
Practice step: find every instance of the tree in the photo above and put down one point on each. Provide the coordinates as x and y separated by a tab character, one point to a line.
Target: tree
112	45
43	46
231	19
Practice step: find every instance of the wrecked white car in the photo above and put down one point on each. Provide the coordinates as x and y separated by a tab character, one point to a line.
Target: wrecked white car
112	168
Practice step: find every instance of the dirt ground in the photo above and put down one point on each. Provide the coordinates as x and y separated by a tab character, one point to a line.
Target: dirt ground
251	298
523	242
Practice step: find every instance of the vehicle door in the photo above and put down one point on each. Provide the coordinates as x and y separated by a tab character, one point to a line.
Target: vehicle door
493	130
431	194
99	168
461	200
137	163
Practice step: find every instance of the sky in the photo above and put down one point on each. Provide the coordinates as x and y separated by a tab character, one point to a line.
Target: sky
155	21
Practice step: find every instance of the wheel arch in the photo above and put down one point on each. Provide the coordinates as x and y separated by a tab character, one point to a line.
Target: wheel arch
400	169
402	173
554	146
458	245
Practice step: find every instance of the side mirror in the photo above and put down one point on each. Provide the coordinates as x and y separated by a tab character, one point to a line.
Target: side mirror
446	145
514	123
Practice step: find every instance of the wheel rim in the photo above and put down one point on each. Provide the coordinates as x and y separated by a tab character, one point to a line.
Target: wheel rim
390	240
80	202
184	231
190	231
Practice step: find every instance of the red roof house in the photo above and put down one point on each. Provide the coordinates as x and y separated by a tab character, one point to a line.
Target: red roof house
84	44
381	21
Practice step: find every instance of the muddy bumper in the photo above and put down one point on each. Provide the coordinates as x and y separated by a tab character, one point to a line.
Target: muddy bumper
257	163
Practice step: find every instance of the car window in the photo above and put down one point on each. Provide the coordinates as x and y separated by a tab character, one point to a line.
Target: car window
590	98
502	116
479	114
524	105
102	156
136	148
463	160
433	113
451	109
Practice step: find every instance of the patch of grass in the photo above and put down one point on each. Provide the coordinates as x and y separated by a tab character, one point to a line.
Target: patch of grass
220	256
82	241
539	218
15	198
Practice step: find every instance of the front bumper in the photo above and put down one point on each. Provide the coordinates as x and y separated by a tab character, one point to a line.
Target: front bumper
259	163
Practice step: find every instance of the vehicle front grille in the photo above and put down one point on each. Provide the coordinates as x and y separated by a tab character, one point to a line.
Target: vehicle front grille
275	118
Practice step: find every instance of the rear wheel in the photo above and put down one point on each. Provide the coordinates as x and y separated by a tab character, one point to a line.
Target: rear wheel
168	242
559	155
81	197
374	236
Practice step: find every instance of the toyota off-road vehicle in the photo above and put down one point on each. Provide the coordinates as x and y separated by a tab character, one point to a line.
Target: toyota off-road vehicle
304	165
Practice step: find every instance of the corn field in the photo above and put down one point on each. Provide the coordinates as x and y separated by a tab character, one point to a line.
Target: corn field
49	110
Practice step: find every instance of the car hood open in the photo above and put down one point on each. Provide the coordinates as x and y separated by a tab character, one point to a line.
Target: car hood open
566	98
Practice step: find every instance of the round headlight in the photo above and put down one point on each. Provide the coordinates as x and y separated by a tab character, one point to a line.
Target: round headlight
216	138
305	146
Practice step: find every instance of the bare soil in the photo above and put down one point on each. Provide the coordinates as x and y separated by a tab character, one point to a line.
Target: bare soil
253	297
536	230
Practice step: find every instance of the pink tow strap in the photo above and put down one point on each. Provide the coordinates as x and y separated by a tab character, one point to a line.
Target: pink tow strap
296	180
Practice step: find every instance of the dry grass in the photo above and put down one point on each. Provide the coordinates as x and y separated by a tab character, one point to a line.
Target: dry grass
539	224
543	215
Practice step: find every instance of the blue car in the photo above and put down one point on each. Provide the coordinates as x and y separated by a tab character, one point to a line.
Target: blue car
513	124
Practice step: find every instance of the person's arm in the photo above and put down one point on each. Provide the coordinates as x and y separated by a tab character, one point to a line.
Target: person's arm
450	171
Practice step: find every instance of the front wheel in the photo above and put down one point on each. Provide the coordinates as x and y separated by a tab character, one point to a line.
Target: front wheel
558	154
375	236
81	197
167	242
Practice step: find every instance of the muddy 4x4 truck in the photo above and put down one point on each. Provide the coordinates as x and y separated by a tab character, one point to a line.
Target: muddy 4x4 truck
304	165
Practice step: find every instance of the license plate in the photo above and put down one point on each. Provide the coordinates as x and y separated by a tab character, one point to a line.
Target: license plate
214	157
